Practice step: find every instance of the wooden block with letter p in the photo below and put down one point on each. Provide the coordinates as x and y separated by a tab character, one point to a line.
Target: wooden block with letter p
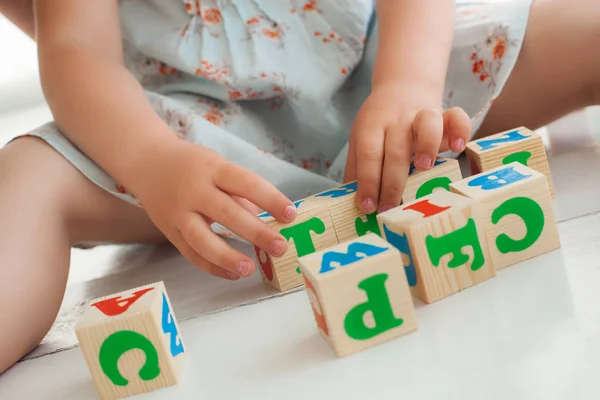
519	219
441	239
359	294
131	342
521	145
323	220
422	183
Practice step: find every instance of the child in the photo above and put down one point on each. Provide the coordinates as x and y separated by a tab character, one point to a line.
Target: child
174	115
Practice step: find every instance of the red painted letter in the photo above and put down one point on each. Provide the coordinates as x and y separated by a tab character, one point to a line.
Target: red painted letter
118	305
320	318
426	208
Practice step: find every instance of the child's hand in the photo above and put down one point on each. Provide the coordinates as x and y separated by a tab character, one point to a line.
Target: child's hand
188	187
395	122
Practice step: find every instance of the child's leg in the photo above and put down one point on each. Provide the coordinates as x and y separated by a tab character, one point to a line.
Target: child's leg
46	205
558	70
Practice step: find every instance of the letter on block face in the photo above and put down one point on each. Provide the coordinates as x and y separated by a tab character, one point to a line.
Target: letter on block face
521	145
440	237
323	220
359	294
423	183
131	342
519	220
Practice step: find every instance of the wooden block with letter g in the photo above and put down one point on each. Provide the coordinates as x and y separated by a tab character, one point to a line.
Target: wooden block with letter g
521	145
131	342
443	246
359	294
423	183
519	219
323	220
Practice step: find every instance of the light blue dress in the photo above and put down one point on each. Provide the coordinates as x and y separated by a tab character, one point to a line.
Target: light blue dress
274	85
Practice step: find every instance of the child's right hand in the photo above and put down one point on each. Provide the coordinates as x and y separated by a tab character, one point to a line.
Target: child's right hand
187	187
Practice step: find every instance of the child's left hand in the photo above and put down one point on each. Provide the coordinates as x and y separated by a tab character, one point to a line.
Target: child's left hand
394	123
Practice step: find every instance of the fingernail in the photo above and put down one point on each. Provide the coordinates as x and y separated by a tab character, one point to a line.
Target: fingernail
243	267
232	276
277	247
289	213
459	144
368	205
385	208
424	161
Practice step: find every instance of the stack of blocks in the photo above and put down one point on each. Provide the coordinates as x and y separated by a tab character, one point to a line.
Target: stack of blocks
332	217
361	272
445	242
131	342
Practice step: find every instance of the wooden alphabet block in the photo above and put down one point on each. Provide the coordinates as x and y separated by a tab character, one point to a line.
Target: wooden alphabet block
323	220
359	294
422	183
131	342
442	243
520	144
519	219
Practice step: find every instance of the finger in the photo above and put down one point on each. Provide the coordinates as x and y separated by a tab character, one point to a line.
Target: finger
396	164
191	255
457	130
350	169
428	128
246	225
198	235
248	205
369	162
238	181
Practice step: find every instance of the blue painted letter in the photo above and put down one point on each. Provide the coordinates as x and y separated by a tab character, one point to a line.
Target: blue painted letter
512	136
498	179
341	191
356	251
401	243
169	327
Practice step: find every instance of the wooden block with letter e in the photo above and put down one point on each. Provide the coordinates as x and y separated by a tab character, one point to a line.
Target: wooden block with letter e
520	144
323	220
519	219
359	294
443	246
131	342
422	183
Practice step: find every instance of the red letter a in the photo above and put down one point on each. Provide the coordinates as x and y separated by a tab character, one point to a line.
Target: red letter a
426	208
118	305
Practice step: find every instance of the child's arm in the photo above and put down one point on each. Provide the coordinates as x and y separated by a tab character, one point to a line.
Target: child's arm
103	110
403	113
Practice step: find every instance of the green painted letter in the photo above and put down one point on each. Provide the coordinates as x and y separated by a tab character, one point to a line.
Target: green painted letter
432	184
362	228
532	215
120	343
520	157
301	235
378	303
452	243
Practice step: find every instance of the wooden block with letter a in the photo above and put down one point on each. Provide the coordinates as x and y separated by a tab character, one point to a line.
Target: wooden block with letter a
422	183
519	219
441	239
359	294
323	220
520	144
131	342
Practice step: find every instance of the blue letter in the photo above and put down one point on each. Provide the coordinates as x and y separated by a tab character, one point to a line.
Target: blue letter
512	136
498	179
401	243
341	191
356	251
169	327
